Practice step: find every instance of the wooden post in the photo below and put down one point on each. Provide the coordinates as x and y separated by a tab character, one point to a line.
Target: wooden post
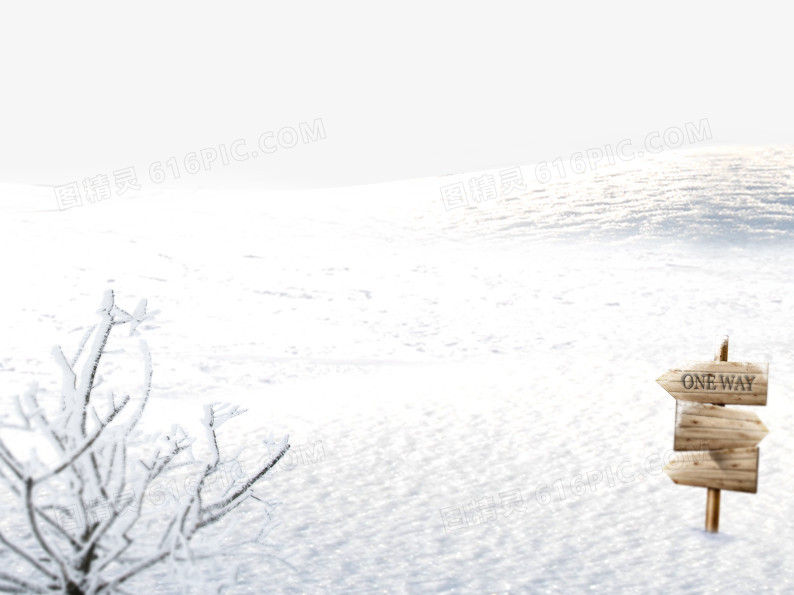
713	496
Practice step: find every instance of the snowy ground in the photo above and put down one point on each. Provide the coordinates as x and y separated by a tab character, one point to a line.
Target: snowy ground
460	387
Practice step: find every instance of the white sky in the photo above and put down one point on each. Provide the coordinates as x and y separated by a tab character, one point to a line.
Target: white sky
412	90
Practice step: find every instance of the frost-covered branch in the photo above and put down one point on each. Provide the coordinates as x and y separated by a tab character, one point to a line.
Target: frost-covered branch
90	530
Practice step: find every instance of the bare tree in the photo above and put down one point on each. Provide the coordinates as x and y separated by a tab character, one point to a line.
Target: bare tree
83	527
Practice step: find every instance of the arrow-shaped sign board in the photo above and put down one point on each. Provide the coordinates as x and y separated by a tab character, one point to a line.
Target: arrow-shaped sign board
709	427
734	469
722	383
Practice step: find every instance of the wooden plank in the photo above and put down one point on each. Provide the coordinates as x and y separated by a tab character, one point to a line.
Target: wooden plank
721	434
707	463
700	409
733	485
689	444
726	383
709	427
732	454
710	421
734	469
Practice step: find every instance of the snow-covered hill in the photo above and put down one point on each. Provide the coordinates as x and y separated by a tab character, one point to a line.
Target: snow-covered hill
447	375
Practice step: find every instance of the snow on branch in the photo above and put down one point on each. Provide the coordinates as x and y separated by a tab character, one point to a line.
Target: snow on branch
88	528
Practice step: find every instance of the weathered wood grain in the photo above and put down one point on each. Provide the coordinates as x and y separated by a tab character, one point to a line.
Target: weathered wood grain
709	427
732	469
726	383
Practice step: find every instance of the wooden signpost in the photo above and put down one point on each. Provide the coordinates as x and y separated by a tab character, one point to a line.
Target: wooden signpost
720	443
723	383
